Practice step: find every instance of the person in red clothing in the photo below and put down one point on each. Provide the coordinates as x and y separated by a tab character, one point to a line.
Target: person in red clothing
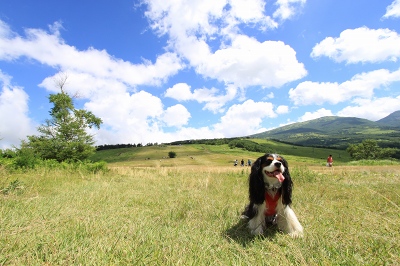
329	161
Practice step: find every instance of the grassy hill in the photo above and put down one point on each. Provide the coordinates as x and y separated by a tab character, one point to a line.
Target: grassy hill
392	120
213	155
337	132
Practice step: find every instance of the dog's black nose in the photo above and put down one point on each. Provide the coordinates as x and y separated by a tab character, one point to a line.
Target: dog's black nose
277	164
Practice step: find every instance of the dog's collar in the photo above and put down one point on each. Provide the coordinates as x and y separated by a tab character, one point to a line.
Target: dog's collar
273	187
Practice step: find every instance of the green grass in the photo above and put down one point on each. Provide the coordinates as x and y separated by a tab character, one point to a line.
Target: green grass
189	215
374	162
215	155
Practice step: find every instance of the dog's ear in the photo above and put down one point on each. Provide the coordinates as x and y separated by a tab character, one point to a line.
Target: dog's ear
287	184
256	183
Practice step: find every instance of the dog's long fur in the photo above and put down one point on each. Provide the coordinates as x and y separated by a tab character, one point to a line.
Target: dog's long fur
262	181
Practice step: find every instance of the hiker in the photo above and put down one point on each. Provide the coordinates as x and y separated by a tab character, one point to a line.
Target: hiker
242	162
235	163
249	162
329	161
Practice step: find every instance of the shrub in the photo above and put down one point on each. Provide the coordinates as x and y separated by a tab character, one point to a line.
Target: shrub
369	149
96	167
26	159
8	153
172	154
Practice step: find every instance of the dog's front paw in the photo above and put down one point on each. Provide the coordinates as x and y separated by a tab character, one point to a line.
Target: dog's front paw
258	231
296	234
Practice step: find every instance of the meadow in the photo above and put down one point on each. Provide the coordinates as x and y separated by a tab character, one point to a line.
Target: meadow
150	210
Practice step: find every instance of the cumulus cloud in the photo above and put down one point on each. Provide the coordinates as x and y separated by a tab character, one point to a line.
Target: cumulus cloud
203	36
50	49
176	116
361	85
180	92
106	84
129	116
393	10
248	62
361	45
239	60
244	119
314	115
282	109
372	109
287	8
214	101
15	124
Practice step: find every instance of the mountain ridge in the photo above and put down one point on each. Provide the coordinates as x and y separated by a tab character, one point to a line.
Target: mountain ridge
337	132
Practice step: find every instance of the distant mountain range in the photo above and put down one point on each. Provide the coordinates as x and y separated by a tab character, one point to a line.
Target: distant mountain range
338	132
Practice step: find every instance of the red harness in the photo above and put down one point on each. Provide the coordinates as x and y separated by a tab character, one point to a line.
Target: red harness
272	202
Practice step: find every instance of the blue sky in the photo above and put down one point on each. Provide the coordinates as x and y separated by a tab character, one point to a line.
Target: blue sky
163	70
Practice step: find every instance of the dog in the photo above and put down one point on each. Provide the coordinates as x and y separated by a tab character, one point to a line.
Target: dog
270	194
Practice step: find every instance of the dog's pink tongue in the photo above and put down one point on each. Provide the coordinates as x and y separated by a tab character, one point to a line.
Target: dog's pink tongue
279	176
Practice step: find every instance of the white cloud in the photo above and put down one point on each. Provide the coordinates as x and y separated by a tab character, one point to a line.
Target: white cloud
51	50
270	95
239	60
288	8
205	35
176	116
314	115
372	109
213	101
244	119
15	124
179	92
282	109
393	10
360	45
247	11
247	62
360	85
107	84
182	18
185	133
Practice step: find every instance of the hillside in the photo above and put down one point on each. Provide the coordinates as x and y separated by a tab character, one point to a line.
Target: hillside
338	132
191	155
392	120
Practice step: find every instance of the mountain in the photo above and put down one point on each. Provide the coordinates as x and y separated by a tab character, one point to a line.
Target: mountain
338	132
392	120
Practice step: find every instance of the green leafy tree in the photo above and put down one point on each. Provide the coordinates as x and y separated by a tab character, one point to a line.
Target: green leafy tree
64	136
369	149
172	154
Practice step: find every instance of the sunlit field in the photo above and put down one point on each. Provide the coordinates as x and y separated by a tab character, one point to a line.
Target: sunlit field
186	211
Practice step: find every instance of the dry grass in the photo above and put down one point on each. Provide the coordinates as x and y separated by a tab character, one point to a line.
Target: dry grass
190	216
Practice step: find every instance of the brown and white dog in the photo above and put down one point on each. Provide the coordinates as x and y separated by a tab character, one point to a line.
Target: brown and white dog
270	193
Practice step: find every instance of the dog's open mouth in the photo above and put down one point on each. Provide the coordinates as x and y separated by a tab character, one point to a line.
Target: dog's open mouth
277	174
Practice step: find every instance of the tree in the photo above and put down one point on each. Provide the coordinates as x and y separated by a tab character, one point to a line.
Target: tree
172	154
64	136
369	149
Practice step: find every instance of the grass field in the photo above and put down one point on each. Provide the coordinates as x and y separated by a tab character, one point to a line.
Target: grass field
185	211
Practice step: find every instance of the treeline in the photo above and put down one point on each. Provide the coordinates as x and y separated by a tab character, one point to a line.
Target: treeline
120	146
240	143
249	145
395	145
311	145
204	141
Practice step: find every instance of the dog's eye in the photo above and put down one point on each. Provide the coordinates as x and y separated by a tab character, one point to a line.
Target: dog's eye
270	158
279	159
